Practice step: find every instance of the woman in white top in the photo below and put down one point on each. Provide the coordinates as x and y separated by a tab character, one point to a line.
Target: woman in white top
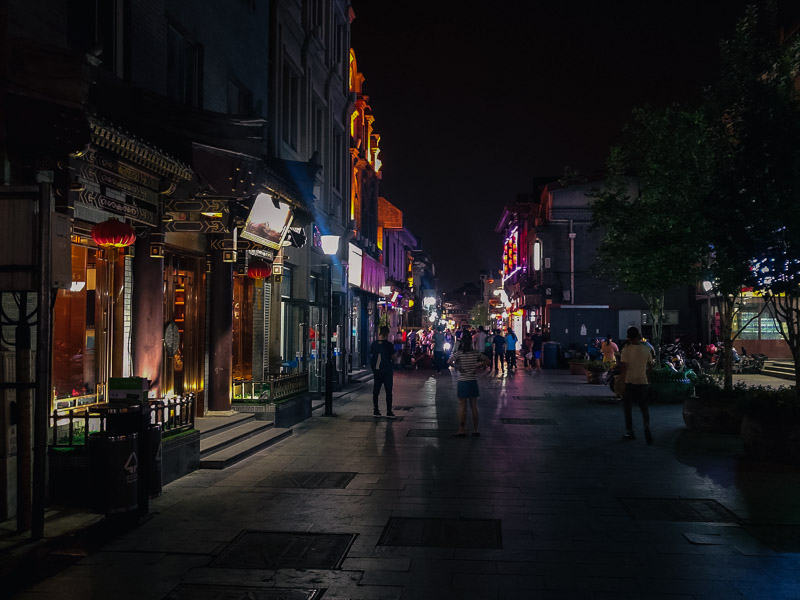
466	361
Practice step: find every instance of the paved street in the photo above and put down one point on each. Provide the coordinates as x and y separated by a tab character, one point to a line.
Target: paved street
547	503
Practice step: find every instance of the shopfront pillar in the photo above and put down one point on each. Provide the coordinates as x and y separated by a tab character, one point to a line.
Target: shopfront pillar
220	368
147	326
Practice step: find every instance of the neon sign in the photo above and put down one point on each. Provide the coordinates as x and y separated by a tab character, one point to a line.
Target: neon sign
511	254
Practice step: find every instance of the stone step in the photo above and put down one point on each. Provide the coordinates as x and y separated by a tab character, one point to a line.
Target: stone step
233	454
781	369
208	426
222	438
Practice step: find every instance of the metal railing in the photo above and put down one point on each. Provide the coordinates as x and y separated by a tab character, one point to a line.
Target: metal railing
72	427
273	389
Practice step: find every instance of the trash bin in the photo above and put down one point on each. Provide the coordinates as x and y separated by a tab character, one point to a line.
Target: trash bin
114	472
153	459
550	352
114	459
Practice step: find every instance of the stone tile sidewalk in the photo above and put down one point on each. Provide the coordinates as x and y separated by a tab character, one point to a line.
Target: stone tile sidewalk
547	503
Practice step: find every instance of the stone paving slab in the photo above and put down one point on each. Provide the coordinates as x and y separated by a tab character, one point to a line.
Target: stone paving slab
553	486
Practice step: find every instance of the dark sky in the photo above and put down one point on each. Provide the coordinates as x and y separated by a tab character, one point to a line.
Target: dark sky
473	102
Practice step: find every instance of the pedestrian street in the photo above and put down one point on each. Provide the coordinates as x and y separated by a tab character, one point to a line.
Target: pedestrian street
546	503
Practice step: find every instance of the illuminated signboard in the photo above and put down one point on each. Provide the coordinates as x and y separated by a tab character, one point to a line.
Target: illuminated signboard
267	222
511	254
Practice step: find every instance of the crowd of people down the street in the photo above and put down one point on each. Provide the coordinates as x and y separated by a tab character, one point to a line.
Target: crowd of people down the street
466	350
470	350
430	348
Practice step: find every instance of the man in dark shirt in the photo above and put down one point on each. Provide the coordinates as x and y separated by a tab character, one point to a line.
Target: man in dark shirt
380	357
499	351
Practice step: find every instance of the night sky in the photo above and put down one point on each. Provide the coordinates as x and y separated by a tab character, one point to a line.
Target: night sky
472	103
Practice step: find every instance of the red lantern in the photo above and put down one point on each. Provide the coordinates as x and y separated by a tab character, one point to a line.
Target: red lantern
113	234
259	269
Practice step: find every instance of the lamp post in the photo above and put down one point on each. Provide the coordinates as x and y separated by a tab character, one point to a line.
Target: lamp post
707	287
330	246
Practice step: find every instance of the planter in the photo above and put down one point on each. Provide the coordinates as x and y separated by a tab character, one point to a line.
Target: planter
576	368
771	440
284	413
712	416
595	377
677	390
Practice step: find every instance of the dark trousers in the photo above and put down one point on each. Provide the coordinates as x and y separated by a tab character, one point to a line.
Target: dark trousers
635	393
511	359
439	360
385	379
499	358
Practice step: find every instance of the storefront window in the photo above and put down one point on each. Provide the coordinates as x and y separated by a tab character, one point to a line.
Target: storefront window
242	328
75	368
184	305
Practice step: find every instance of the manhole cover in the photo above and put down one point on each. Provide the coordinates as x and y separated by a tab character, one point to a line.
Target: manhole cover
308	480
190	591
447	533
434	433
678	509
286	550
528	421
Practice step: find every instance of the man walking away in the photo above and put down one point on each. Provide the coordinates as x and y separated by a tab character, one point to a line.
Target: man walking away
511	349
499	351
636	363
438	349
380	356
479	340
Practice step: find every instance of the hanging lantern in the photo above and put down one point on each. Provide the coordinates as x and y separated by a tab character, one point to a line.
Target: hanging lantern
259	269
113	234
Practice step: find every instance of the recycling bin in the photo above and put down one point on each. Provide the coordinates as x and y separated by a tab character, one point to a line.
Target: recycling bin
114	472
550	353
114	459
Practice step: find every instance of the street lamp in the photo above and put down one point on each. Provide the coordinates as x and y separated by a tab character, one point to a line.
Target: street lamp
707	287
330	246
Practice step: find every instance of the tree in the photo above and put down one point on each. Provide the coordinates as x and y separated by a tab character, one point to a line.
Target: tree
752	215
651	240
479	315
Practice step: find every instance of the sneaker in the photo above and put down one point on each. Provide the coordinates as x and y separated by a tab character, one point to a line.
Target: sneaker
390	415
648	437
628	436
376	414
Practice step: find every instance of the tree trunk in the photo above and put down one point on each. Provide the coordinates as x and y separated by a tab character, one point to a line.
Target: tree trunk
726	326
656	304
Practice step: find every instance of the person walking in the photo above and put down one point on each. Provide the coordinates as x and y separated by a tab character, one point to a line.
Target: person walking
527	352
380	355
479	340
488	347
635	366
438	349
511	349
499	351
538	340
466	361
609	350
